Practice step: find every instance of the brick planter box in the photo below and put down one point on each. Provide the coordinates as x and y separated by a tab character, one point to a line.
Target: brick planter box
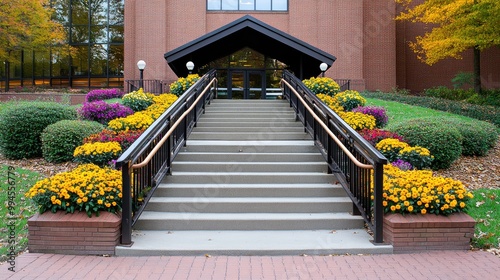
75	234
413	233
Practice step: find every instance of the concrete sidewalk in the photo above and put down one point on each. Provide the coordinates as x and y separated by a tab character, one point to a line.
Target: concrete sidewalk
433	265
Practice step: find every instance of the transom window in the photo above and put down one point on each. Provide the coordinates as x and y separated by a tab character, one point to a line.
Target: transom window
247	5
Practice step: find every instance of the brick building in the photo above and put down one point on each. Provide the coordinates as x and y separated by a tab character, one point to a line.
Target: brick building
110	36
370	47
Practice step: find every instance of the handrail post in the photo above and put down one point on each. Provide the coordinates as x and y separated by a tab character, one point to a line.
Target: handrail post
378	177
127	206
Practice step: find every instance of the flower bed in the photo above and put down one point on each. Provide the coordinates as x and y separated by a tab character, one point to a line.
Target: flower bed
423	211
68	201
88	188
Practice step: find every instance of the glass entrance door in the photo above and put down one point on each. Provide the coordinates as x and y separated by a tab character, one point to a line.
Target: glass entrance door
255	88
246	84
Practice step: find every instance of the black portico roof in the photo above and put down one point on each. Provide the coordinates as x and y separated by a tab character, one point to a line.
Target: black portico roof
247	31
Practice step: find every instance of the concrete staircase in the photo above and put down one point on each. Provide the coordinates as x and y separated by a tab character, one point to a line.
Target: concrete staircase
249	182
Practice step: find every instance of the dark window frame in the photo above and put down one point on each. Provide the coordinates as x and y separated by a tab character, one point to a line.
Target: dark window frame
247	10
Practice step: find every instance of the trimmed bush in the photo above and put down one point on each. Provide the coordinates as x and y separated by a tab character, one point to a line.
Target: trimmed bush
22	124
103	94
477	138
450	94
103	112
60	139
442	140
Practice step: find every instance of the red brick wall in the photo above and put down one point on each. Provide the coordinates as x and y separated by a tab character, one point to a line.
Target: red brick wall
379	45
75	234
413	233
156	26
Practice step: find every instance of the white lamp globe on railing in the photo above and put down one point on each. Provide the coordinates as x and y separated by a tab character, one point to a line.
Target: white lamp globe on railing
141	64
190	66
323	66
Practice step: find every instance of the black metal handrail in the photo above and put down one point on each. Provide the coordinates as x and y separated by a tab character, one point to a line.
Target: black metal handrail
149	158
349	156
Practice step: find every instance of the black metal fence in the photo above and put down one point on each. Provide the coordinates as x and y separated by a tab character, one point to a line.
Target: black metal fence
151	86
150	157
357	164
345	84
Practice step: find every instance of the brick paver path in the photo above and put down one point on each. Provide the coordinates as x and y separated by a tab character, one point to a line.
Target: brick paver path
433	265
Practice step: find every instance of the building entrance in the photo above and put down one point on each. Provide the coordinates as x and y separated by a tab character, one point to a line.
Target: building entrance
246	84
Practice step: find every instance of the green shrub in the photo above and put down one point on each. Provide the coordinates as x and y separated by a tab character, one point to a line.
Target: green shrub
442	140
485	113
462	79
22	124
450	94
477	138
60	139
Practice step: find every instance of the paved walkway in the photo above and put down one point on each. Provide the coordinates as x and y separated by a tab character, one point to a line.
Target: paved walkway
434	265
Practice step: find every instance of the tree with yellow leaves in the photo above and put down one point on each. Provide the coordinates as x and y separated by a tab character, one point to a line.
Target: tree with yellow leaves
458	25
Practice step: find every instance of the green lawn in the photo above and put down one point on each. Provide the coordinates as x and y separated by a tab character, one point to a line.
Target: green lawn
15	218
485	209
398	112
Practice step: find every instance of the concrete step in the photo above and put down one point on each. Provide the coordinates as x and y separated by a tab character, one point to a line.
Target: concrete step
250	114
247	123
249	103
266	120
250	204
201	166
152	220
246	146
248	157
253	129
249	190
251	135
251	243
248	177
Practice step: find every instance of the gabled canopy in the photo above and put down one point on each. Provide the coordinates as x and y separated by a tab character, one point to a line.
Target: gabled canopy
302	58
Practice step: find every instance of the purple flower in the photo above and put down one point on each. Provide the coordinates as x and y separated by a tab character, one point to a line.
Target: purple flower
103	112
102	94
403	165
377	112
